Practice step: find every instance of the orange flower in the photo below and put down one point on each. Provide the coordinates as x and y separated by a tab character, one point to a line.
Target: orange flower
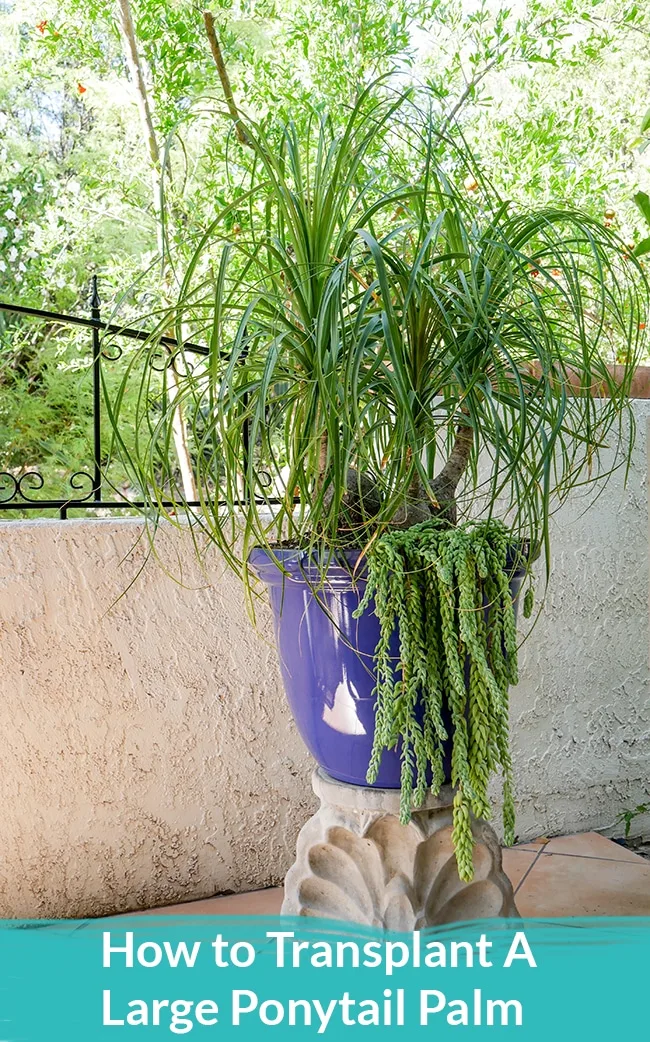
470	183
42	26
641	325
81	89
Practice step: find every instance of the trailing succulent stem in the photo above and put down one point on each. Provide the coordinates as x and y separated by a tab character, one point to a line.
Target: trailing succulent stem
446	592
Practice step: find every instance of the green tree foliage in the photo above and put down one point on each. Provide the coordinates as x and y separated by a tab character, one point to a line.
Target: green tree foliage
546	91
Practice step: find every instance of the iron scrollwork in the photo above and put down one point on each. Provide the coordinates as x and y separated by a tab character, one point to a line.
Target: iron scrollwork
16	489
20	492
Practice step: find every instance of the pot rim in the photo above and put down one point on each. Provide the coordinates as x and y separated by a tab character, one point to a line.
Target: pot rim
277	565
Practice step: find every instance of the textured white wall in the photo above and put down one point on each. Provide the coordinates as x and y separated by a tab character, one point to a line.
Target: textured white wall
580	716
147	753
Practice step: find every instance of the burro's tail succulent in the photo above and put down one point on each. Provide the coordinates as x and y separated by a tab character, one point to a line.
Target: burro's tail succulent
449	594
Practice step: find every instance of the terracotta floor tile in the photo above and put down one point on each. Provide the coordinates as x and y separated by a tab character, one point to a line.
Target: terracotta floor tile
268	902
533	844
558	885
592	844
516	862
584	874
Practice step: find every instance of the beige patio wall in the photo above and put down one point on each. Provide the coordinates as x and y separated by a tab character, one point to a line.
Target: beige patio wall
147	753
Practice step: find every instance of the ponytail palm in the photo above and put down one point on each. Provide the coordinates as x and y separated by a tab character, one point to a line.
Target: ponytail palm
271	288
405	367
384	349
491	371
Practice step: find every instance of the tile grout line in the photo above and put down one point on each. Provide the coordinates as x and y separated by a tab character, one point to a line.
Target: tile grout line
527	873
591	857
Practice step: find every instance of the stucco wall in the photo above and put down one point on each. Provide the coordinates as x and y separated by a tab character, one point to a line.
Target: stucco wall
580	716
148	756
147	753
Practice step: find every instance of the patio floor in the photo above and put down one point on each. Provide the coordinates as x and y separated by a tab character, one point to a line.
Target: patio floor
577	875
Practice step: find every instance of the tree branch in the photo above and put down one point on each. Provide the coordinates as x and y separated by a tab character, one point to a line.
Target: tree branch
469	89
127	31
145	107
224	77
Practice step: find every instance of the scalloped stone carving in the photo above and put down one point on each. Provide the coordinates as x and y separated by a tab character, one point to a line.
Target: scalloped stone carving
357	863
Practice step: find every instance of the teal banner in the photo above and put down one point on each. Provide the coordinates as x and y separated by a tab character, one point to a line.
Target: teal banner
220	978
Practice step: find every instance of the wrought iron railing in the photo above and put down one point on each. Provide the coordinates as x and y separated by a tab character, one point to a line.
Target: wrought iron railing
20	493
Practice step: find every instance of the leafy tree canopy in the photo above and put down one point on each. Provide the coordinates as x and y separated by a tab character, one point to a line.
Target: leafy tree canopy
551	94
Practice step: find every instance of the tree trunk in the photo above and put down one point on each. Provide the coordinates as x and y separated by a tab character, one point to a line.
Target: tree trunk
130	44
215	47
445	484
134	63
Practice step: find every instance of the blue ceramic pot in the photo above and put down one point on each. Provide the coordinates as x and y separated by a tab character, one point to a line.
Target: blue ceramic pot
326	658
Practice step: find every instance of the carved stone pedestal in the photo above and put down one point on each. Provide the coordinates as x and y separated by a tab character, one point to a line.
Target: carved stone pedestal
356	862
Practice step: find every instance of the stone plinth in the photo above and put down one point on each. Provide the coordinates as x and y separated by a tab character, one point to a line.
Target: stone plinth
357	863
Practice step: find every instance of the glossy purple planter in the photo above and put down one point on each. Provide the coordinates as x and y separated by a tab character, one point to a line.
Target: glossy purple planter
326	658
